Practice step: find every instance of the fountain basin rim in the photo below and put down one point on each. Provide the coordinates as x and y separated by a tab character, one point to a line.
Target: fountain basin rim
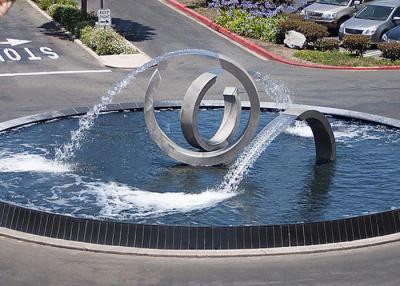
175	104
171	253
333	233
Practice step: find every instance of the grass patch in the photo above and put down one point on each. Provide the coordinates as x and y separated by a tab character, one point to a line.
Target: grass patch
336	58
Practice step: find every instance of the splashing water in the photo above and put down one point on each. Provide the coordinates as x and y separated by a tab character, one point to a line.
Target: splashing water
274	89
24	162
116	198
86	122
251	153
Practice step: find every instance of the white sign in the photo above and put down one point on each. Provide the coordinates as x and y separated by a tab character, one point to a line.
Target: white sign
104	16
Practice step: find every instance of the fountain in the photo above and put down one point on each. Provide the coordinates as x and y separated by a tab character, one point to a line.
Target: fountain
201	174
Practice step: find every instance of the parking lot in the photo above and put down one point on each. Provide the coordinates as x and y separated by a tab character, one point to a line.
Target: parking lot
41	69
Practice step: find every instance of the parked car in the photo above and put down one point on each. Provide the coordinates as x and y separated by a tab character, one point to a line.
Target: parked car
374	20
392	35
332	13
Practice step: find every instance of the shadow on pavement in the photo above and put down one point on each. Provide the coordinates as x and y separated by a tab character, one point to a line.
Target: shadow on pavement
133	31
51	29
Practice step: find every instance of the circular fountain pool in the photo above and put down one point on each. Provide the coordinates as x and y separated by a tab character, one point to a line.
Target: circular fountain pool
120	174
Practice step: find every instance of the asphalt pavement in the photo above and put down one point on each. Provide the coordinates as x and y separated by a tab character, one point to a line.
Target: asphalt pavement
45	71
155	28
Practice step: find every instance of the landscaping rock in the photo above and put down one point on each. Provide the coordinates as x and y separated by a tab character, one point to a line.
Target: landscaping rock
294	40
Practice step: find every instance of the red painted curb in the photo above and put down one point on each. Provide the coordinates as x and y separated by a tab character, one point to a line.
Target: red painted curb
260	50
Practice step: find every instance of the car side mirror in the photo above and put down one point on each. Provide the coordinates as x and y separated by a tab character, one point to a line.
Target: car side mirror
396	19
356	3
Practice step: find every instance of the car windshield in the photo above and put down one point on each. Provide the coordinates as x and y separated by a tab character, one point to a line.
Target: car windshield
334	2
374	12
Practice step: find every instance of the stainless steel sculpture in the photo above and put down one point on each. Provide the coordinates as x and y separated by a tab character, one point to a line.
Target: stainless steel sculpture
325	143
219	149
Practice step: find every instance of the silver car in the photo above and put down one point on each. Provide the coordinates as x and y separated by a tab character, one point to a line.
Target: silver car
373	20
332	13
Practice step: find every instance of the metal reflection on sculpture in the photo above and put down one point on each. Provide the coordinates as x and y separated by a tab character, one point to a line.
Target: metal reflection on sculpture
219	149
325	143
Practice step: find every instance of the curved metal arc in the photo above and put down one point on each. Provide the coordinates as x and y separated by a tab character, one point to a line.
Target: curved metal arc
324	138
190	109
216	157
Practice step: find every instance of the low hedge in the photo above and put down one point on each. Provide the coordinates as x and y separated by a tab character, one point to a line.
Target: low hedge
45	4
311	30
390	51
71	18
357	44
105	41
327	45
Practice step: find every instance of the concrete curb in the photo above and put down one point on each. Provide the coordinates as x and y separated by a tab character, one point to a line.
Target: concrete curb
260	50
298	250
130	61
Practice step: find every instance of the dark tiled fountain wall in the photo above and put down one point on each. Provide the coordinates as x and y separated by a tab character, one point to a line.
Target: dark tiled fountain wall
188	237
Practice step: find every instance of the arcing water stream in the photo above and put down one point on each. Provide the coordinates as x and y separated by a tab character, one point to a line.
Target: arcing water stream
147	201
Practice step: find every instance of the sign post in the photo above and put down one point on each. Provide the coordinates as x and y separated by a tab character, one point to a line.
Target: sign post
104	17
84	7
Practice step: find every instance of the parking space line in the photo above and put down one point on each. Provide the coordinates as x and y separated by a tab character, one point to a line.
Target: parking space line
52	73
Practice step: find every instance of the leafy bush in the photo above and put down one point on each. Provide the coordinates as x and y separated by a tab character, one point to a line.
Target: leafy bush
71	17
67	15
77	31
45	4
390	50
244	24
312	31
105	41
356	44
327	45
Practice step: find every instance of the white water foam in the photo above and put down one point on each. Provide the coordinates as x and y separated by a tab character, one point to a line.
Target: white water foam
115	198
22	162
343	132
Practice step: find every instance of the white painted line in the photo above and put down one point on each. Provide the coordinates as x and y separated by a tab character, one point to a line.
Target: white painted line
52	73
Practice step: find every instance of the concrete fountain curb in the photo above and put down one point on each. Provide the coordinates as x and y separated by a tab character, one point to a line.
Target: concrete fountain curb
125	61
295	250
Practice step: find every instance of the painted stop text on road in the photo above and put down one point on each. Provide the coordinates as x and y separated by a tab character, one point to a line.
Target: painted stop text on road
13	50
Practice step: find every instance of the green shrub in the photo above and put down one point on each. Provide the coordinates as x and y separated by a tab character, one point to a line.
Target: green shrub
244	24
105	41
327	45
356	44
390	50
45	4
72	3
67	15
312	31
77	31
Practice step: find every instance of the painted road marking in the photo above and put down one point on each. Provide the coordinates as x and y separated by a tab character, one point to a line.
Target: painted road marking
52	73
14	42
30	54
